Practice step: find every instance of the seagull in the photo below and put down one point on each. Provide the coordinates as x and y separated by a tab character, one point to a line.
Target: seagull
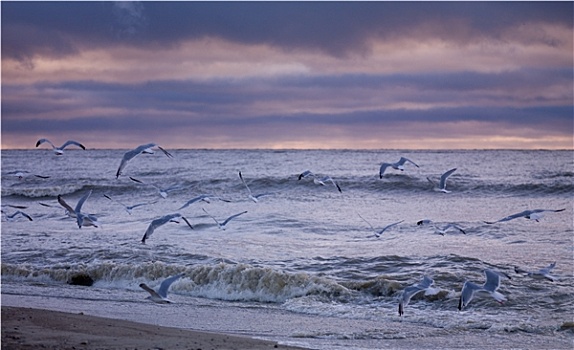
305	174
222	224
442	185
202	198
84	219
160	296
12	217
254	198
535	214
60	150
128	208
22	174
398	166
409	292
162	221
87	219
163	192
322	181
147	149
542	273
380	232
447	228
490	286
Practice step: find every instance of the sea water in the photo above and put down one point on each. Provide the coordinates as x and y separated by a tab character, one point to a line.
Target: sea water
304	250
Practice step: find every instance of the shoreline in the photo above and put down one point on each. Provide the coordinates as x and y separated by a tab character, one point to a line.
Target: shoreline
32	328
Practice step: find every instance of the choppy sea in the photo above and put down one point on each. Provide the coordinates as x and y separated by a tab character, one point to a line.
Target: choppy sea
304	249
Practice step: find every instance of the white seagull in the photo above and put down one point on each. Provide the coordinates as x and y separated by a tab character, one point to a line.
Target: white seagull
60	150
535	214
490	286
254	198
22	174
163	192
398	166
322	181
12	217
147	149
409	292
84	219
128	208
380	232
442	185
162	221
224	223
160	296
202	198
542	273
448	227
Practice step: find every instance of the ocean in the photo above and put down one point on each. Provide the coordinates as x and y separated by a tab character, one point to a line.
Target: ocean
302	265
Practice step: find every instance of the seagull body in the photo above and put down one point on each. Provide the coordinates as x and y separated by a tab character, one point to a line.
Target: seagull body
128	208
542	273
409	292
12	217
442	184
254	198
147	149
160	296
162	221
380	232
535	214
398	166
224	223
60	150
490	286
163	192
449	227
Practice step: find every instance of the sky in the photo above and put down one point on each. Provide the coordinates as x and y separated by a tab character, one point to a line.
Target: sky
289	75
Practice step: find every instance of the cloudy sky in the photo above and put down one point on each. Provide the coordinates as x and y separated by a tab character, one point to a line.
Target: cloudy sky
374	75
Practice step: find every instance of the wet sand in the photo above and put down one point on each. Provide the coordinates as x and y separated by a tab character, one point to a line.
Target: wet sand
25	328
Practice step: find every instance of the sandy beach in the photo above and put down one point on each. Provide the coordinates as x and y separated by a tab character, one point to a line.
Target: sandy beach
26	328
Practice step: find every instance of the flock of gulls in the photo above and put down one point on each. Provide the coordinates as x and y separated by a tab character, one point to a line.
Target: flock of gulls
469	289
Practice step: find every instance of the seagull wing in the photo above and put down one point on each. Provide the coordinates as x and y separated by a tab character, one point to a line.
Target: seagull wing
164	286
511	217
129	155
444	177
467	293
81	202
382	169
389	226
232	217
305	174
66	206
403	160
152	292
157	223
41	141
245	184
72	142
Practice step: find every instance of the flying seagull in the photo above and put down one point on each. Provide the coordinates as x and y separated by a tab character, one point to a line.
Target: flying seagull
535	214
254	198
160	296
147	149
380	232
202	198
398	166
448	227
442	185
22	174
12	217
224	223
82	219
322	181
128	208
409	292
60	150
490	286
162	221
542	273
163	192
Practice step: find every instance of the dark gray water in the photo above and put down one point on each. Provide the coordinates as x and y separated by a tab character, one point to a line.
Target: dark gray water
303	249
